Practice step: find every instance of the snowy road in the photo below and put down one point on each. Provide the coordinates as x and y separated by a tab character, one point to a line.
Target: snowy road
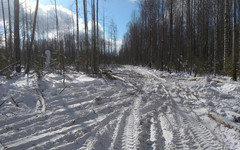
146	109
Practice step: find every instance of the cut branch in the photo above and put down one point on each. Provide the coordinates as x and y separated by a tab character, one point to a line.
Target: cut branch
63	89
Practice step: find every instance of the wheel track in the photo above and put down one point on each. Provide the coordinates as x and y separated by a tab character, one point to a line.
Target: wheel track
178	132
101	139
180	140
187	130
175	120
204	137
75	131
118	133
129	135
64	125
113	131
157	133
32	128
80	141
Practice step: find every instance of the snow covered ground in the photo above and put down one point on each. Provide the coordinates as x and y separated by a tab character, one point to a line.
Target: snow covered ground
145	109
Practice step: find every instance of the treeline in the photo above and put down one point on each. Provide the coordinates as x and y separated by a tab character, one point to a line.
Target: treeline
27	37
195	36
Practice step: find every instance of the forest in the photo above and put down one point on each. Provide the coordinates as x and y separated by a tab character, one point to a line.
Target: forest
172	84
26	42
197	37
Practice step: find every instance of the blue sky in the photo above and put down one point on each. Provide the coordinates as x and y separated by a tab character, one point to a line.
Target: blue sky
118	10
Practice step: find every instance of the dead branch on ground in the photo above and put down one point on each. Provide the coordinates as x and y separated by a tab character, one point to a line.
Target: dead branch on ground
10	98
225	123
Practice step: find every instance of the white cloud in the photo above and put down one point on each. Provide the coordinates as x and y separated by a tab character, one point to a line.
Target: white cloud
46	19
133	0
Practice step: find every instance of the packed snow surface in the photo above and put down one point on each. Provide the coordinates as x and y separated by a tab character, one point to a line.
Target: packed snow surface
144	109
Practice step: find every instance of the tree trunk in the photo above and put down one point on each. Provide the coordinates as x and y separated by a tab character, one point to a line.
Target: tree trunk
86	33
5	30
97	50
226	34
104	41
163	31
32	39
16	35
189	36
10	34
171	36
215	36
150	53
57	26
95	64
77	25
234	57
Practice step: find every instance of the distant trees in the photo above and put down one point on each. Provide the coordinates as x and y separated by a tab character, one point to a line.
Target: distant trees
68	46
184	35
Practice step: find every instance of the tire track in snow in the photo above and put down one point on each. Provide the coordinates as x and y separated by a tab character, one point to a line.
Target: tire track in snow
128	142
156	135
42	120
150	130
111	131
88	132
129	138
206	139
200	134
71	132
150	117
177	130
40	133
118	133
174	121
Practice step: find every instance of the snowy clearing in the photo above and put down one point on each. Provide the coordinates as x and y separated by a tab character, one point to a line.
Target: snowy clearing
145	109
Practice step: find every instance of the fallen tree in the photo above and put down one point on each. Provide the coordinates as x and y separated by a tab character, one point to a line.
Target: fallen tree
9	66
224	121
